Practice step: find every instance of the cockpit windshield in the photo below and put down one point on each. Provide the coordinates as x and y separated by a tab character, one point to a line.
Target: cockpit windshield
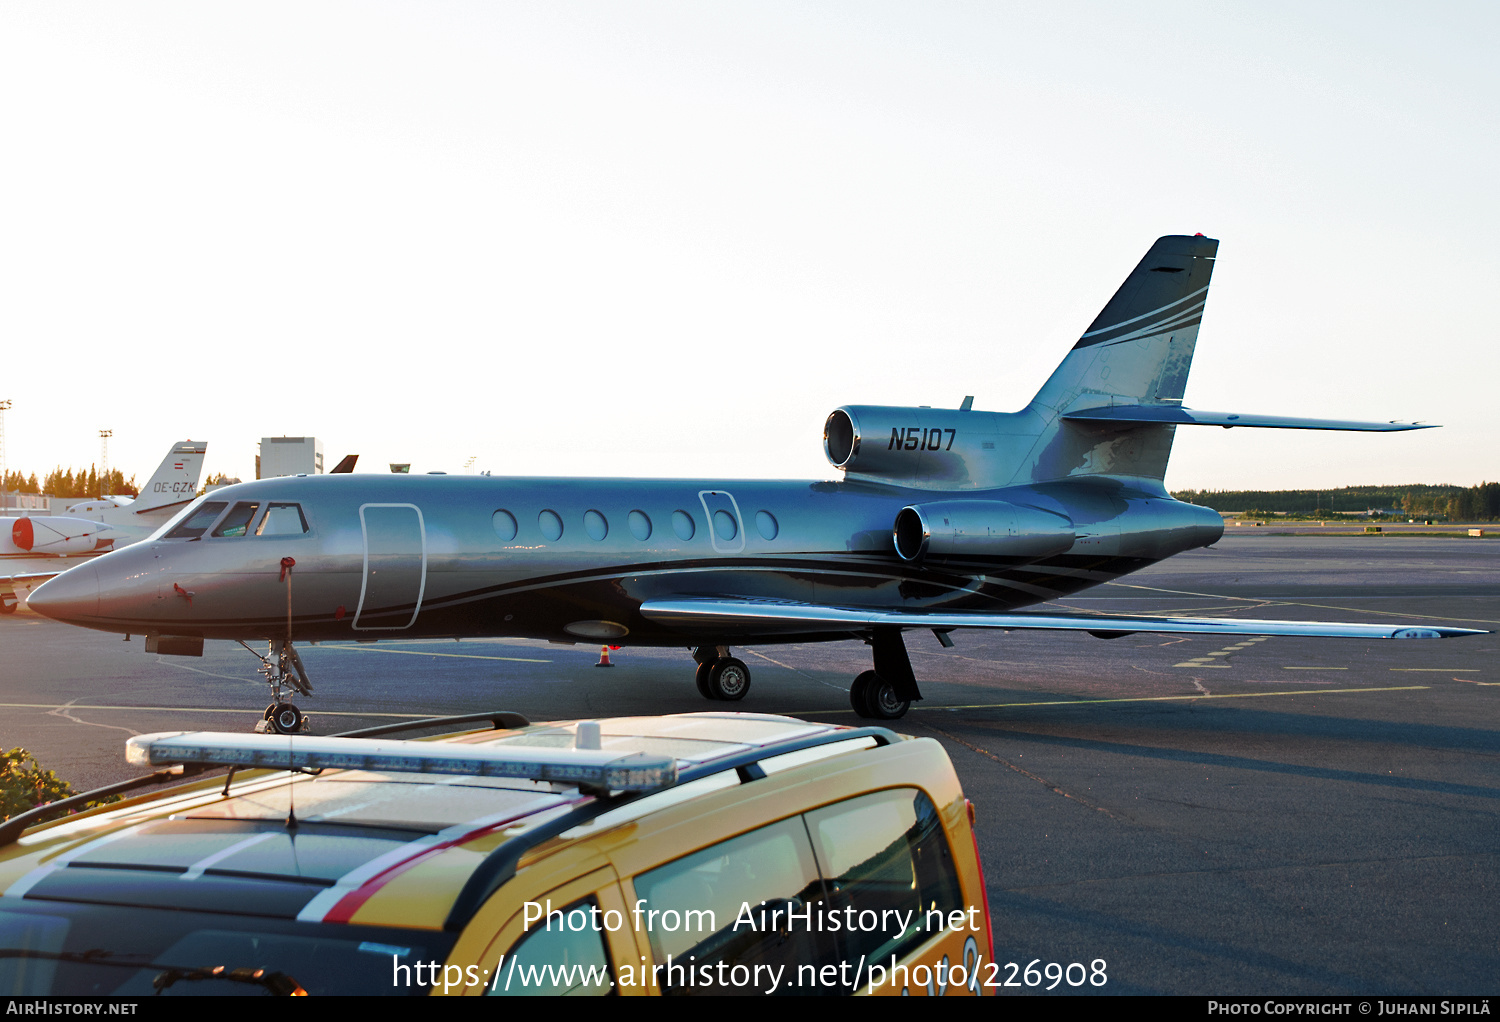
177	519
237	522
198	522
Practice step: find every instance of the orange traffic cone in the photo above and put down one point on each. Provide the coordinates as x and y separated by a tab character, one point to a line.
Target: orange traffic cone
604	657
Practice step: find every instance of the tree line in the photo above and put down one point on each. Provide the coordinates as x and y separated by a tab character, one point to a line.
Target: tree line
62	482
1418	500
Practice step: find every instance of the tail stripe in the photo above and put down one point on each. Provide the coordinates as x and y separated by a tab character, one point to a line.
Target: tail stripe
1186	318
1162	312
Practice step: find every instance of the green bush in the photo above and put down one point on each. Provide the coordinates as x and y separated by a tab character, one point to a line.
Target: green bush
25	785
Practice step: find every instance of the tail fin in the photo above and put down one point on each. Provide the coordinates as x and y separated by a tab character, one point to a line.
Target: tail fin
1136	352
175	481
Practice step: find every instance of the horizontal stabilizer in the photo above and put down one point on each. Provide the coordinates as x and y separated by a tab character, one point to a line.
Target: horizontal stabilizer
1178	416
728	617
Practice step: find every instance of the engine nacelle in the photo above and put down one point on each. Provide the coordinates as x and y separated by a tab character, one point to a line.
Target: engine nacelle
962	529
937	448
55	535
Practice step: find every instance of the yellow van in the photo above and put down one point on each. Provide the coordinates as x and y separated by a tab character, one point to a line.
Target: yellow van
703	853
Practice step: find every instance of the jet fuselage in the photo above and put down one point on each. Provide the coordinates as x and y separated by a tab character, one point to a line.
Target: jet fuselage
386	557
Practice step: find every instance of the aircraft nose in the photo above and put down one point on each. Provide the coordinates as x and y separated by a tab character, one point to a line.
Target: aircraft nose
72	596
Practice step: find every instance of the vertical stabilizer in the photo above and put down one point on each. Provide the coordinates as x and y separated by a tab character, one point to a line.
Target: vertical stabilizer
174	482
1137	351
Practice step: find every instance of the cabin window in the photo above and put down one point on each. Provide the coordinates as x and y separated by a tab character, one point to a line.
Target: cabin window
551	525
640	525
595	524
766	523
237	521
199	521
682	524
282	520
724	525
505	525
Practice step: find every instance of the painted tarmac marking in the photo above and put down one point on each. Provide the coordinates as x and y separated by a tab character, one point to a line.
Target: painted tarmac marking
1315	668
789	667
1207	659
1027	773
1264	601
1164	699
62	711
194	709
423	652
1439	670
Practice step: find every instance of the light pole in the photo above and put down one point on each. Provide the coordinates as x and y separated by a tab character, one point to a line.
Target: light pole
4	404
104	435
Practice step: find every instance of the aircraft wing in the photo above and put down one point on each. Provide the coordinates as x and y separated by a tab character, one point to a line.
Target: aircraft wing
737	617
31	578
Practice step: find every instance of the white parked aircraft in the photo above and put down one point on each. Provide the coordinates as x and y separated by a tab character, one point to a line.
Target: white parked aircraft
34	548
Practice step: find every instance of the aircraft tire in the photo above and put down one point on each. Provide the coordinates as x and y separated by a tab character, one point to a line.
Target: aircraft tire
8	604
859	694
874	698
285	719
729	679
701	678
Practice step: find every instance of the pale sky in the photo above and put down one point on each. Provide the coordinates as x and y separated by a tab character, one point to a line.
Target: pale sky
669	238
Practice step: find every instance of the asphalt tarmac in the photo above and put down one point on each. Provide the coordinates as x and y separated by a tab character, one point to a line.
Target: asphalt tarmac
1273	816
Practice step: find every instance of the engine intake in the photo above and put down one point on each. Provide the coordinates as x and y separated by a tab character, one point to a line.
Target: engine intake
55	535
934	448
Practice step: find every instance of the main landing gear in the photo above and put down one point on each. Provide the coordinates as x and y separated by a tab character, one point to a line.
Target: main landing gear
721	676
887	692
875	698
283	670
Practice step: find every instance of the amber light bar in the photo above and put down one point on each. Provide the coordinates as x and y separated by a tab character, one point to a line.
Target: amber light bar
599	769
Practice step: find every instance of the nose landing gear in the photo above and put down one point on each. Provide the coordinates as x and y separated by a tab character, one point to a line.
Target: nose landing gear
282	719
283	670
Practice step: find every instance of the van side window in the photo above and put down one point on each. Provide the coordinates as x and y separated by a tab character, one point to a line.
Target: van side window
556	960
282	520
237	521
743	903
199	521
886	853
